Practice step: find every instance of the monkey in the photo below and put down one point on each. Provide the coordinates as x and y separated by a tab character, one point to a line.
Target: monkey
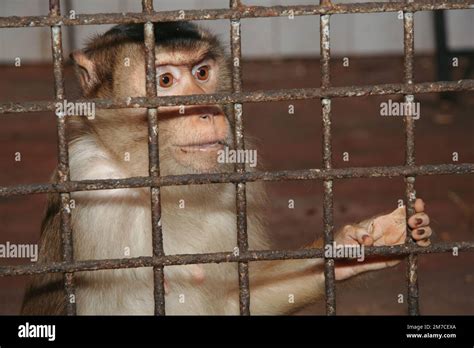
116	223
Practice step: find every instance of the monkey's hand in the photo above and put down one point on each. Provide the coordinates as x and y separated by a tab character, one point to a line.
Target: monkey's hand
384	230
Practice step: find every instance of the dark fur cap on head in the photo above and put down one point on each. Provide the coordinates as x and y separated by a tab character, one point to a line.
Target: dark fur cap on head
171	35
164	31
103	49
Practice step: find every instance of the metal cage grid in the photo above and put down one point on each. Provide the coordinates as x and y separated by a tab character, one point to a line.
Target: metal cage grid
64	186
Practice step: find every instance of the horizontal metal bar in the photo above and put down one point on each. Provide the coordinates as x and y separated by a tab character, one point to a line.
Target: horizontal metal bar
250	97
238	12
216	178
222	257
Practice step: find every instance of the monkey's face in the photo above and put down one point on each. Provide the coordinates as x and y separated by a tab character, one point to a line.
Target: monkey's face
192	135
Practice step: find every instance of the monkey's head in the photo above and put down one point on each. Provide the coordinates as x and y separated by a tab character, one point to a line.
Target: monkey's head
189	60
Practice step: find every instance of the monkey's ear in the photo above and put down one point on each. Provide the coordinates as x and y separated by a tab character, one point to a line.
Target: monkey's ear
85	71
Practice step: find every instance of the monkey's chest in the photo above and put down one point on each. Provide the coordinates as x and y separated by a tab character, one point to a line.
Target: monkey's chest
199	232
200	288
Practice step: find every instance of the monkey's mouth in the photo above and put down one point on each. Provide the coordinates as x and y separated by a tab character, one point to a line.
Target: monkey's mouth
202	147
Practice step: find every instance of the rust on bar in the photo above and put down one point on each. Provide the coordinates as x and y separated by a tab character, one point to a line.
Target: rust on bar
251	97
147	6
219	178
222	257
329	276
154	163
63	160
241	190
241	11
412	260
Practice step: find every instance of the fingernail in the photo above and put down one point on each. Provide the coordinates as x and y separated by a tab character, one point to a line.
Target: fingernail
420	231
418	221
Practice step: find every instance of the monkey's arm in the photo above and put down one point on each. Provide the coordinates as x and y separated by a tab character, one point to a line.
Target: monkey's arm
279	287
45	294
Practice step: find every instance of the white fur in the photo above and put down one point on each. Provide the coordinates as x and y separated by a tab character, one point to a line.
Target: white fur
107	222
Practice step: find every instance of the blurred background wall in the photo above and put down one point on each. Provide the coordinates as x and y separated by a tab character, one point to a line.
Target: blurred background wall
355	34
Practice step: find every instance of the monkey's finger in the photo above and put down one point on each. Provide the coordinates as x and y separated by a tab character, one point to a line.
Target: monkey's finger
421	233
393	263
374	264
418	220
423	242
419	205
362	237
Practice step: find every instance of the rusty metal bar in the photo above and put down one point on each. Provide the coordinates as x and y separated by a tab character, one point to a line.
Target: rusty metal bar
63	160
223	257
154	163
241	191
412	260
329	276
219	178
251	97
241	11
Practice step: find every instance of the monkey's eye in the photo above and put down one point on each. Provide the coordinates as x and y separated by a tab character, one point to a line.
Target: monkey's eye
166	80
202	73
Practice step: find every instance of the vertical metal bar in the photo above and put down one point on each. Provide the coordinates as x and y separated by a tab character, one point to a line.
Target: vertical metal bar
63	160
330	285
241	195
154	163
412	260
